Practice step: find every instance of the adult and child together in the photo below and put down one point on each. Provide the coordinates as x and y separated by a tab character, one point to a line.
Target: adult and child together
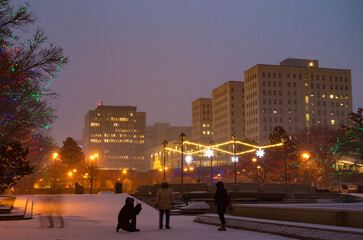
164	200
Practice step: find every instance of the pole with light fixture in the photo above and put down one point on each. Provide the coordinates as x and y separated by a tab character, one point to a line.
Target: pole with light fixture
182	138
165	144
234	137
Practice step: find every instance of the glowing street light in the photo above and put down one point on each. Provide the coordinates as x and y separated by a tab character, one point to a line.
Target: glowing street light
93	167
306	156
55	157
165	144
234	159
209	153
182	138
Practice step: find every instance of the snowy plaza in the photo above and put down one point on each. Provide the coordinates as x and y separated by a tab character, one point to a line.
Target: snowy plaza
95	217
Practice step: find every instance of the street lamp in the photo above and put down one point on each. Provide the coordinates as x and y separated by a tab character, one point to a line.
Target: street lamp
92	174
306	156
258	169
165	144
209	153
55	155
182	138
234	137
254	161
285	141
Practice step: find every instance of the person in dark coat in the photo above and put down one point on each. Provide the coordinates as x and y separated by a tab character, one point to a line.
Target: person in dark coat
127	216
221	199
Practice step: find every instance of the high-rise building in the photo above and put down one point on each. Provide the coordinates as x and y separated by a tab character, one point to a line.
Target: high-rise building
202	127
153	134
117	134
228	111
296	94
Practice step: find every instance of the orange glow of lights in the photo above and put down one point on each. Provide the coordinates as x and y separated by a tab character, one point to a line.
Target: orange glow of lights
70	174
124	171
185	169
305	155
254	159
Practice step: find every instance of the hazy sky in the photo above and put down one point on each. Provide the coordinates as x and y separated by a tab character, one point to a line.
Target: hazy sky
162	55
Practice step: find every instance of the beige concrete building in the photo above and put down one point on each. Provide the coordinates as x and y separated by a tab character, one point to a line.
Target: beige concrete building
296	94
202	126
228	111
117	134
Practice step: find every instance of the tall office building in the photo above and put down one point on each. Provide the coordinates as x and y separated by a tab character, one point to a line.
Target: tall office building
228	111
153	134
202	127
117	134
296	94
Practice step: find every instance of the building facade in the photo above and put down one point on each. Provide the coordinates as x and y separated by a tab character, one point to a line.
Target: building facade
117	134
202	124
296	94
228	111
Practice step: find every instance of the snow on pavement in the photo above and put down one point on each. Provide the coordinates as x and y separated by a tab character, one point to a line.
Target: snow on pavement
94	217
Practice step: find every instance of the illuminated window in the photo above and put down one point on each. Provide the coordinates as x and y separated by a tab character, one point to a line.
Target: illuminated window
332	122
323	96
307	117
311	64
306	99
331	96
95	124
115	124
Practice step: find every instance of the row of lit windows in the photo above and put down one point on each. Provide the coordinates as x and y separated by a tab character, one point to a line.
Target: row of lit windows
207	133
206	125
119	119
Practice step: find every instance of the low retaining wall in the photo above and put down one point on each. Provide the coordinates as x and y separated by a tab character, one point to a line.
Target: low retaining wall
335	217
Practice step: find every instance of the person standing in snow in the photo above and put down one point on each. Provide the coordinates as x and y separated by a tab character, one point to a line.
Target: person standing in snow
221	199
128	213
164	199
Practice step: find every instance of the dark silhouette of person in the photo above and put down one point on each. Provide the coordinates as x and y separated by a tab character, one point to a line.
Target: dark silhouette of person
127	216
221	198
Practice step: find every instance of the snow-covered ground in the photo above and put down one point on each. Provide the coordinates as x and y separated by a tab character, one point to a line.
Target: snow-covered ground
92	217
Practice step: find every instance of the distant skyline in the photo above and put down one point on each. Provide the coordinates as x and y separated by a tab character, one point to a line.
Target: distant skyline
162	55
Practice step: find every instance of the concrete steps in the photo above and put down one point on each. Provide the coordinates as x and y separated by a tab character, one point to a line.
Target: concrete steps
21	210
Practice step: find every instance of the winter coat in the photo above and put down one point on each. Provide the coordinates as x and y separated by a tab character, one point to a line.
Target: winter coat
128	211
164	198
221	197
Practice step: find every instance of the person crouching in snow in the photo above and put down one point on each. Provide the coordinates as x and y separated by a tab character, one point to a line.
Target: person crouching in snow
222	199
164	198
128	213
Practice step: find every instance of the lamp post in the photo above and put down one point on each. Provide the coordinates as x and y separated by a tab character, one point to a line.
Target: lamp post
182	138
234	137
284	140
254	161
306	156
55	155
210	154
165	144
258	170
92	174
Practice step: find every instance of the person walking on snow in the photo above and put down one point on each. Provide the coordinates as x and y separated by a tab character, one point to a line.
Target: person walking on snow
127	213
164	199
221	199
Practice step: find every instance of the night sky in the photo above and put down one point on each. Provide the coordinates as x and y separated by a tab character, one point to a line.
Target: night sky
162	55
